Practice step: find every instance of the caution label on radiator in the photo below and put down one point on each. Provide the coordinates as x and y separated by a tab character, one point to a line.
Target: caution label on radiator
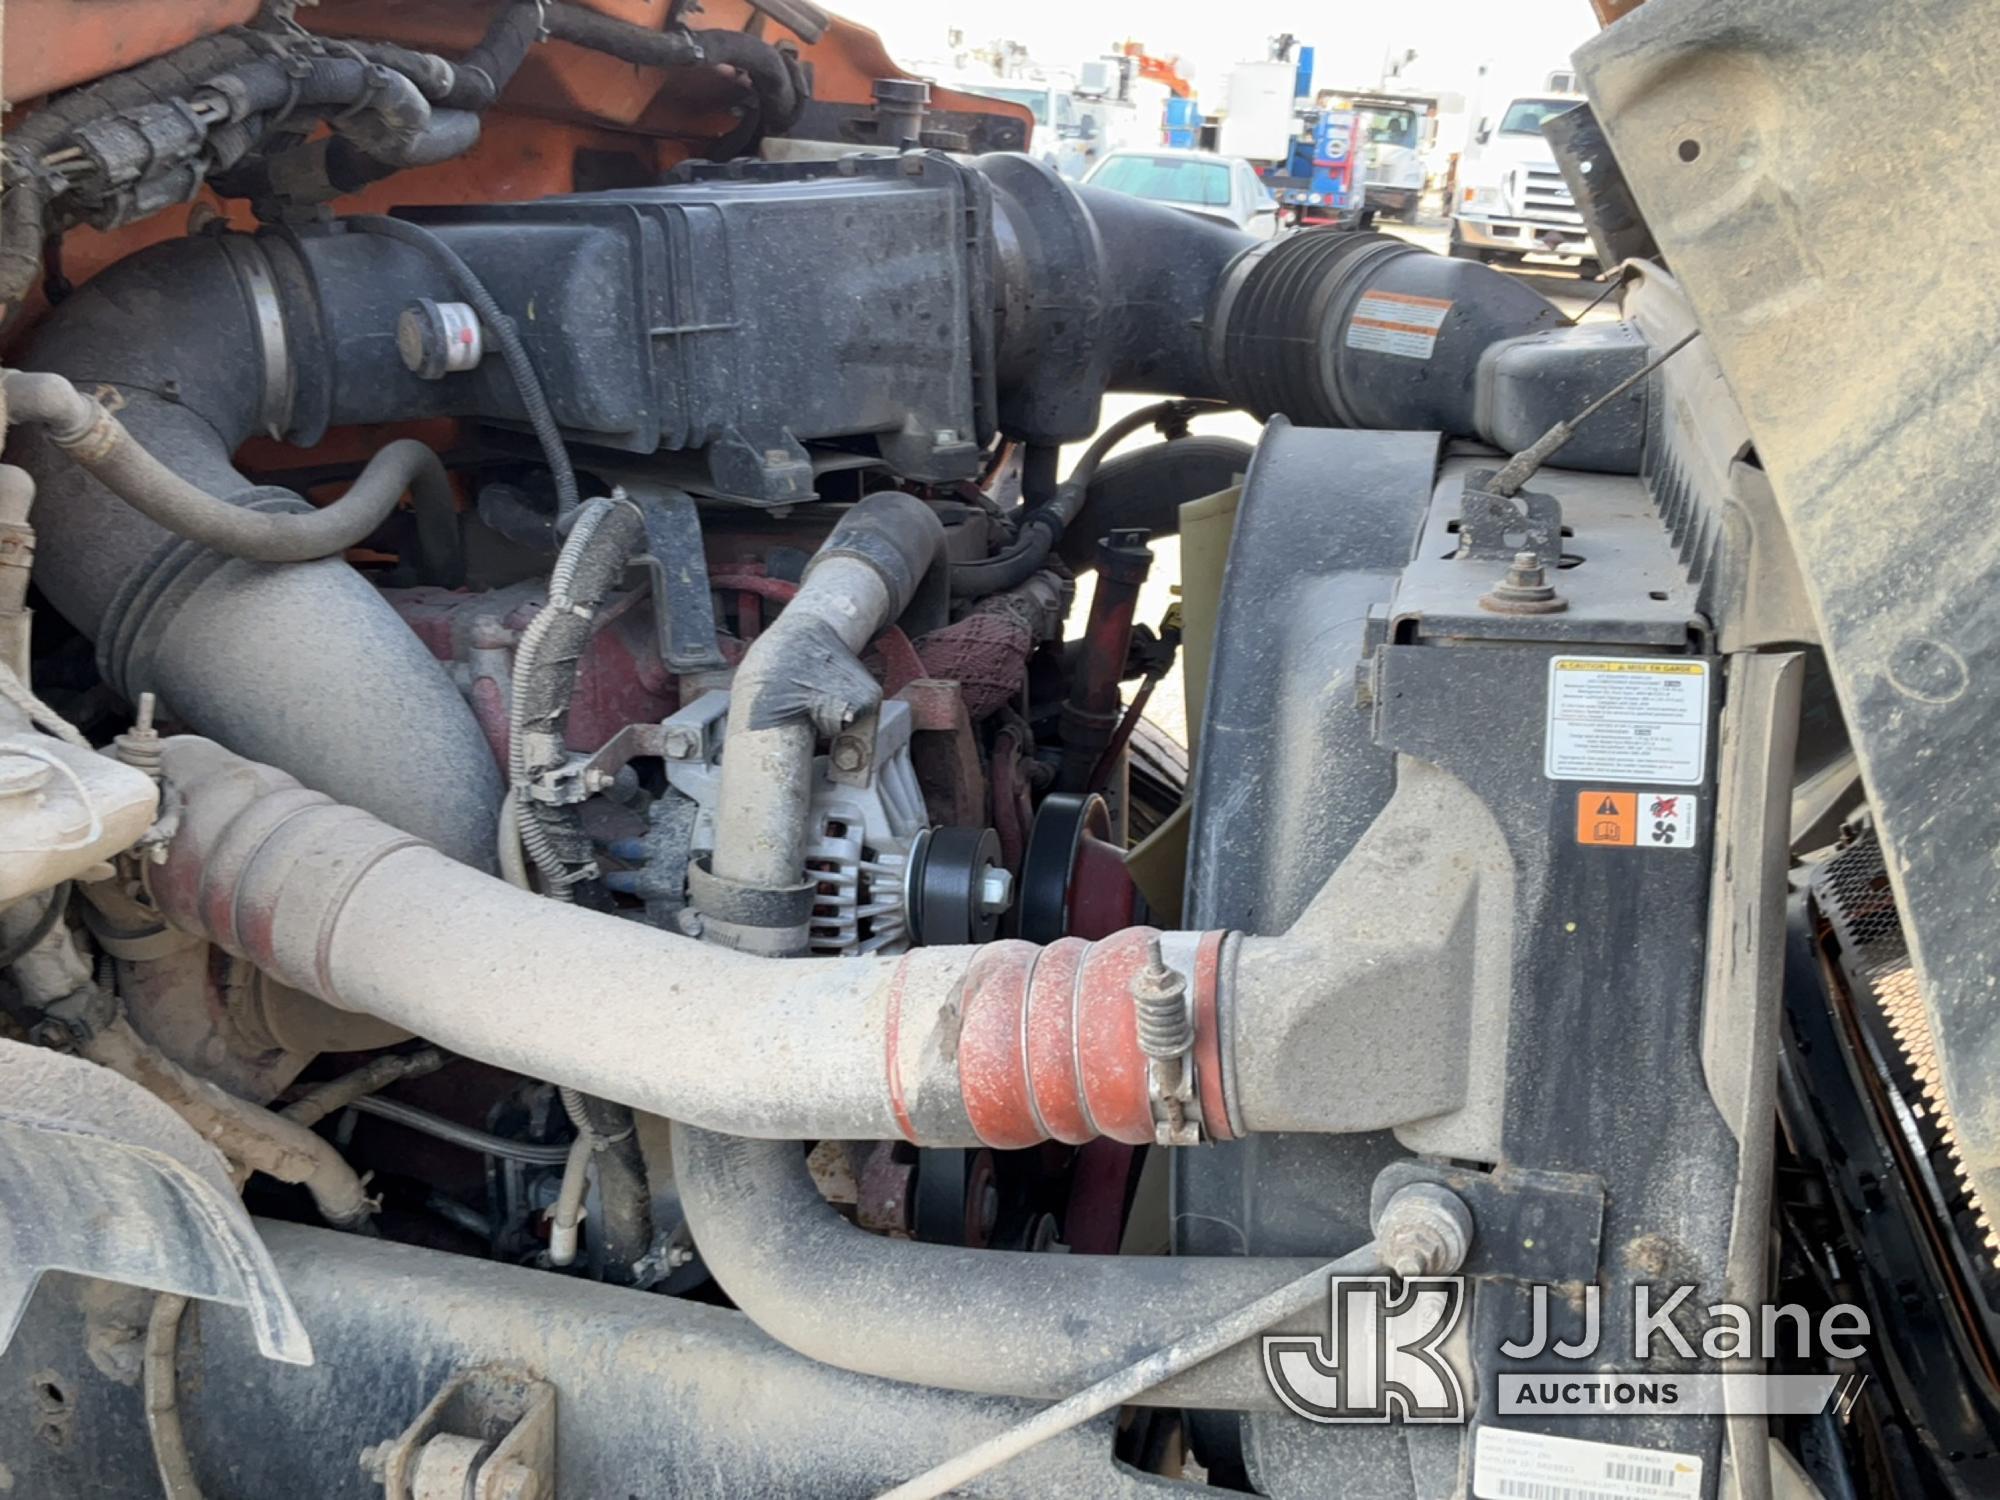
1635	820
1510	1465
1627	718
1396	323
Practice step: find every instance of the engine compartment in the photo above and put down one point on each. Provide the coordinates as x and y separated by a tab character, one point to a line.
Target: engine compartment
682	936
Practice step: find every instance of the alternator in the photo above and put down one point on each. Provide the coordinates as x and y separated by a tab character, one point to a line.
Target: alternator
866	824
884	876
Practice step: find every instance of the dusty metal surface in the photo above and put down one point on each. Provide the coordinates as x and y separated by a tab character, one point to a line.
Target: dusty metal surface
655	1396
1867	370
1743	988
75	1139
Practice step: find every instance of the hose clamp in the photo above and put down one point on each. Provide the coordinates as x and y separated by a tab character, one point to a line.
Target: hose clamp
253	272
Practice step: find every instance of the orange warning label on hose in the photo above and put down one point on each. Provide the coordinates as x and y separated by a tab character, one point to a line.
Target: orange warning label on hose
1607	817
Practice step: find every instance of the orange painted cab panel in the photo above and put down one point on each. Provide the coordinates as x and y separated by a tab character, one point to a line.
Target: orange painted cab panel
57	44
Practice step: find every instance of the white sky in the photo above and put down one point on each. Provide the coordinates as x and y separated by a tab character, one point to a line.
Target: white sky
1520	39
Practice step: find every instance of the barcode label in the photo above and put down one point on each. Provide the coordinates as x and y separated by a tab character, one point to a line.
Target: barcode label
1534	1489
1638	1473
1511	1465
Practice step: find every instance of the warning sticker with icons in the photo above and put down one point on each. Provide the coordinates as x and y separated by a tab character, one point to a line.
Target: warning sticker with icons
1635	820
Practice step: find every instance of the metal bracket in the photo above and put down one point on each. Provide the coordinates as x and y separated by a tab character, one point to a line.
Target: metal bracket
850	758
584	776
1527	1226
1495	527
489	1434
688	734
683	608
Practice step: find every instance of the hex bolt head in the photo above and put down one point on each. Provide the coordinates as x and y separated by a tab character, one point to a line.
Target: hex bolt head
514	1481
681	743
375	1459
1524	590
847	754
996	890
1526	572
1424	1230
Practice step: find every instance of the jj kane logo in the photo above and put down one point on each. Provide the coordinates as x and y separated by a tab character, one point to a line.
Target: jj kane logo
1382	1357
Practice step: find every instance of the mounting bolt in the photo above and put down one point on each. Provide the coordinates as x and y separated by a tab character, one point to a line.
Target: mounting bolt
511	1480
996	890
597	779
54	1034
375	1460
681	743
139	746
1525	590
1425	1230
847	754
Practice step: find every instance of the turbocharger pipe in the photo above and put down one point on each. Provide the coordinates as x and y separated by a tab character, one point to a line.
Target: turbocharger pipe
301	663
1002	1045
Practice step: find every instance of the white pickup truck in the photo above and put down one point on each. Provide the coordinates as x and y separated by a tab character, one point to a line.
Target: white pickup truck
1511	204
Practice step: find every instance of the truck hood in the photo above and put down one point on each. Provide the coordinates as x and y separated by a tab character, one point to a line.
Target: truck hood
1504	154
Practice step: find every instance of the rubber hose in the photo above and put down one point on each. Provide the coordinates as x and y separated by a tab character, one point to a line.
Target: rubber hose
1044	527
763	64
96	439
482	75
626	1232
1147	488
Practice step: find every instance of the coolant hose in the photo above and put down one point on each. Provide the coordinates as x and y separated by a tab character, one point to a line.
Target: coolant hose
97	440
800	679
247	1133
999	1322
1146	489
625	1229
1045	526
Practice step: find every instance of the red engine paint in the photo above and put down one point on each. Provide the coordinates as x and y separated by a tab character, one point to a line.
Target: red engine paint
1102	897
620	680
